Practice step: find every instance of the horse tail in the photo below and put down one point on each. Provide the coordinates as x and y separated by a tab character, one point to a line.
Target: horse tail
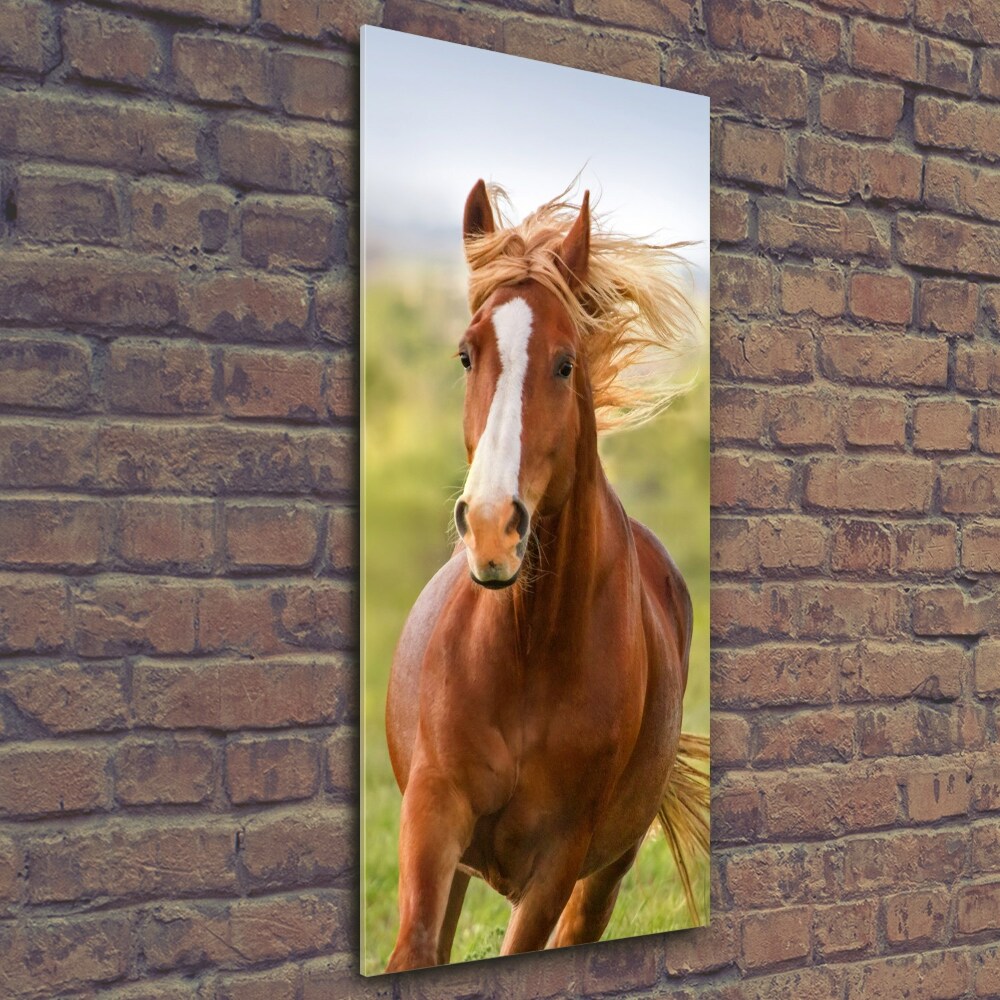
684	812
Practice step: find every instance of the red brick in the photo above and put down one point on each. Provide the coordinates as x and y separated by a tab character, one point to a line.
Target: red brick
736	815
245	307
223	69
167	772
822	230
942	425
917	918
734	546
898	485
878	671
108	290
950	611
307	158
893	860
103	46
48	956
272	770
337	307
34	613
985	786
738	481
743	285
882	298
271	984
340	386
988	668
943	974
149	376
830	167
978	908
44	371
297	846
51	532
239	694
68	697
991	309
342	539
848	610
973	20
320	18
926	548
989	73
884	359
180	218
730	739
342	760
962	188
132	859
191	935
845	929
860	107
887	50
896	10
316	86
812	289
289	232
948	306
79	206
981	547
905	730
740	612
123	135
46	780
806	421
804	737
775	875
861	547
970	488
791	543
730	215
116	615
875	421
989	429
155	533
948	66
29	38
986	971
752	154
959	125
773	675
933	795
276	384
774	29
891	174
765	87
763	351
739	415
434	20
268	536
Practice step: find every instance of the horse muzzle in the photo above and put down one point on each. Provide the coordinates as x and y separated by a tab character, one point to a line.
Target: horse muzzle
495	536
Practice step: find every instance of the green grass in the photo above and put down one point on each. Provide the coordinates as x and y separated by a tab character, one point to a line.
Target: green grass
413	469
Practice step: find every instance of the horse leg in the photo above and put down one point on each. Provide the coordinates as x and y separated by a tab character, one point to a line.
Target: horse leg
586	915
536	912
456	898
436	826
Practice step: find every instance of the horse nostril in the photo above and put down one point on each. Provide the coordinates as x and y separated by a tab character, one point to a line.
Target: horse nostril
521	520
460	520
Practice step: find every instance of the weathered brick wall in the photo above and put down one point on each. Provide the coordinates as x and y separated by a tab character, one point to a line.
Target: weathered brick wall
178	690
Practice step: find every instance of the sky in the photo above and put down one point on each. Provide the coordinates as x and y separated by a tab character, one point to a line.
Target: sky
437	116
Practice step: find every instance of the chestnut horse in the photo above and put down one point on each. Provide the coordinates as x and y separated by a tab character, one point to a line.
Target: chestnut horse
534	706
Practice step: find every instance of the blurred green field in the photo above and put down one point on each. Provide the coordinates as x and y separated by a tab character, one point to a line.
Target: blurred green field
414	466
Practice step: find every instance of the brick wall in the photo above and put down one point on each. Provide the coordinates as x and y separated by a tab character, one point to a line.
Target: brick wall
178	681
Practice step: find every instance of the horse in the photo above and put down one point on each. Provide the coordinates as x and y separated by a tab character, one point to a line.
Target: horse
534	707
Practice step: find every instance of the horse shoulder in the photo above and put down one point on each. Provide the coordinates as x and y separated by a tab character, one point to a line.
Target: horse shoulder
666	589
403	697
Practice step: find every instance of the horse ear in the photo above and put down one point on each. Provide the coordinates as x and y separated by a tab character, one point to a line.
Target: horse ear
574	255
478	214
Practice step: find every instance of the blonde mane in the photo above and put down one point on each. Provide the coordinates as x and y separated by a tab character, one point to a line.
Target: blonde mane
636	323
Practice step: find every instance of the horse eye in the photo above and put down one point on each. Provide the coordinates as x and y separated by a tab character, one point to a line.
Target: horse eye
565	369
466	360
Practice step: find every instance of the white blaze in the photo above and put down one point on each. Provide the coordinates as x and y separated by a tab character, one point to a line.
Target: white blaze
496	466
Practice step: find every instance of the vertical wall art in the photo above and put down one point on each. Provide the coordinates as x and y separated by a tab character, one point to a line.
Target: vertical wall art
534	444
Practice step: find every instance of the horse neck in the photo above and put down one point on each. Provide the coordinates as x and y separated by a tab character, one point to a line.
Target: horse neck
578	545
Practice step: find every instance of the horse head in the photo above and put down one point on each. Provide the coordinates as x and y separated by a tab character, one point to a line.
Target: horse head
525	380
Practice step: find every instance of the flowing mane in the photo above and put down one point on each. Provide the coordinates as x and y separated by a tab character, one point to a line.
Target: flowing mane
636	321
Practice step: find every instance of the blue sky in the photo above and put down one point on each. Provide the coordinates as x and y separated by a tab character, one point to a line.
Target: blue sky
437	116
